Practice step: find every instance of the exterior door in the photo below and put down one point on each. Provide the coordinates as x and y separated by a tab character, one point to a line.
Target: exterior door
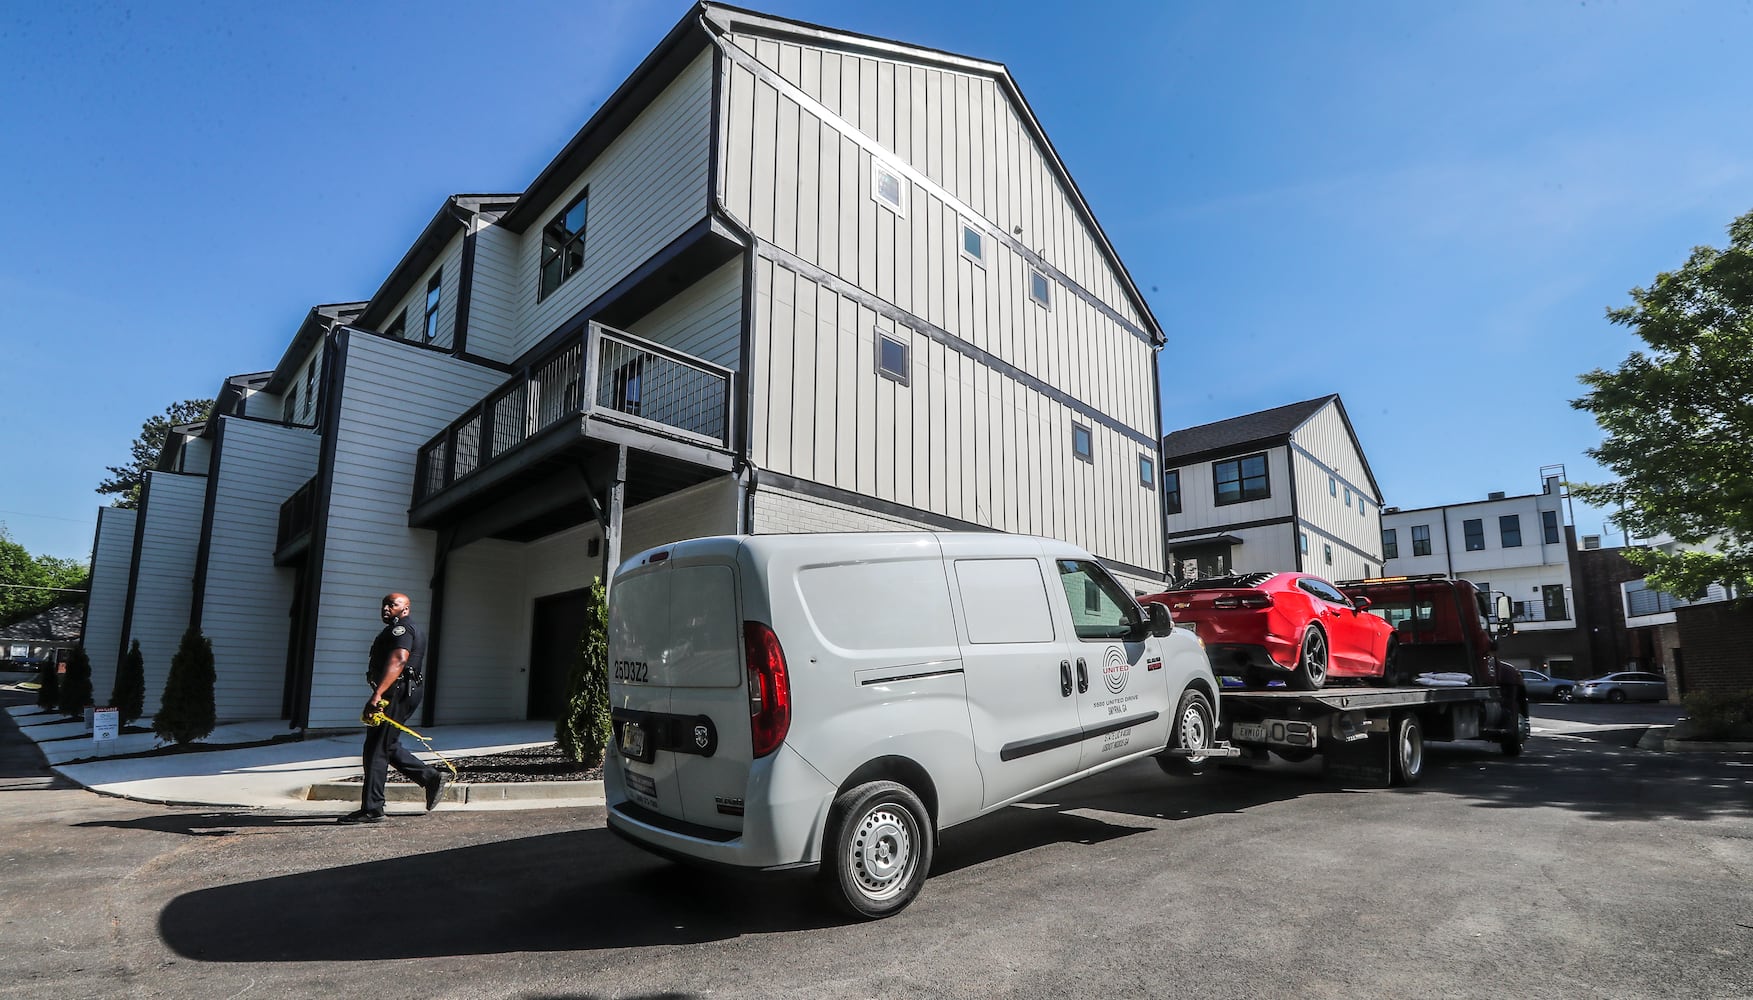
556	628
1120	705
1345	651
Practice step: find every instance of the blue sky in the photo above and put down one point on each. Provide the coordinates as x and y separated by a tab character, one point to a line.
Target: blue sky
1424	208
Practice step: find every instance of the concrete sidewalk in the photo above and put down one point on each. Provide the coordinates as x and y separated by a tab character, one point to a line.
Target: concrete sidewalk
306	775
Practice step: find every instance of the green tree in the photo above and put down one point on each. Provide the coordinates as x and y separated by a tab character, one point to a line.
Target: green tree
34	583
49	694
186	712
128	694
125	480
1678	418
583	730
75	691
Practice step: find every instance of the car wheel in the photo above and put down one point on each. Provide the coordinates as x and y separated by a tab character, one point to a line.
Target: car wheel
1408	749
1392	674
1311	666
880	839
1195	729
1562	694
1616	696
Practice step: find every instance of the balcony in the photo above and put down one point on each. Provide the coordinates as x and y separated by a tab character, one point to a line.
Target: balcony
293	536
602	390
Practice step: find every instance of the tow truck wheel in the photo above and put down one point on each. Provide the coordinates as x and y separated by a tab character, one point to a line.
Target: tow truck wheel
1195	729
1515	737
878	849
1408	749
1311	666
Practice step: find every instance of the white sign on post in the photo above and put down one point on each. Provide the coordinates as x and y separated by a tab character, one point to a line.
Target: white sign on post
105	725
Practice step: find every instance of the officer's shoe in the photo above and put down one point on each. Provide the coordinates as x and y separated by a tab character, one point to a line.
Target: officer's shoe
362	816
435	791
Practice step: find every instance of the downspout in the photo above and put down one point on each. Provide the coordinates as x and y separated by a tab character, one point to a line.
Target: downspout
1296	520
1448	550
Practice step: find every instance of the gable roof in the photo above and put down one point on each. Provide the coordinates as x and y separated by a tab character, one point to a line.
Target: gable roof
1252	431
316	322
451	219
59	623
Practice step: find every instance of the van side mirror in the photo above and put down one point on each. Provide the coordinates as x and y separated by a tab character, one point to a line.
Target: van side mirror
1160	622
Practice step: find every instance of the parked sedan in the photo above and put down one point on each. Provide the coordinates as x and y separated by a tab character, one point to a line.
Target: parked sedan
1543	687
1625	686
1291	626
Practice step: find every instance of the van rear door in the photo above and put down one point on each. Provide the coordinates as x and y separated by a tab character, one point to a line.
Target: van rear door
677	684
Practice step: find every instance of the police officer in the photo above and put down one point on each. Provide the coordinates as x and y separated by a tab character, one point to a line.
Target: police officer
396	675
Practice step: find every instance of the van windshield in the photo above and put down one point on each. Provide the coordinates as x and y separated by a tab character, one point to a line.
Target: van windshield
1100	607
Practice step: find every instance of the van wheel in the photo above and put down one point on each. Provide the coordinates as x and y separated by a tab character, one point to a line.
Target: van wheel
1311	666
1408	749
1195	729
880	839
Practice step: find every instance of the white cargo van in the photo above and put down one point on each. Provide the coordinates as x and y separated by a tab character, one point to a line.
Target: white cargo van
834	700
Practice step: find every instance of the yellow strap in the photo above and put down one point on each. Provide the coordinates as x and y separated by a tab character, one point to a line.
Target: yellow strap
378	717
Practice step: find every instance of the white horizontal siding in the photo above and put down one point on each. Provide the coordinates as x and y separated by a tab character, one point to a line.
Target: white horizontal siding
1199	507
246	597
170	526
264	405
493	296
448	267
395	396
111	557
646	189
705	319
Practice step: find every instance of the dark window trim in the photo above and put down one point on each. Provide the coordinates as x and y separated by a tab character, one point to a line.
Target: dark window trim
434	295
1172	494
578	237
1416	540
1468	534
962	231
1087	456
1549	533
1242	494
1146	471
903	377
1503	525
1045	300
1390	543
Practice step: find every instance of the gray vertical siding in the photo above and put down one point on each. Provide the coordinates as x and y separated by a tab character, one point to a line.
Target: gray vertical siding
246	597
704	320
110	560
170	529
395	397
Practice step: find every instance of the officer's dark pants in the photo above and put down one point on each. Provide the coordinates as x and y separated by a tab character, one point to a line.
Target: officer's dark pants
383	748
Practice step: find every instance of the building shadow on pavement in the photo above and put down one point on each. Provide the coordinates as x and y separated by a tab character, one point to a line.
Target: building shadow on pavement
212	824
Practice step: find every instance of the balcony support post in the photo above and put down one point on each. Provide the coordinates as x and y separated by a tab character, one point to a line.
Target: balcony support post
615	493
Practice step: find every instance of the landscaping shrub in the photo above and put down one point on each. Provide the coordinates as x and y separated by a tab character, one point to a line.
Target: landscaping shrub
583	731
75	691
186	712
128	694
1717	715
49	694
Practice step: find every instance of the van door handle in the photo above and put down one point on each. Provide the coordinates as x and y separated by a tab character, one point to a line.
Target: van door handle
1083	676
1064	678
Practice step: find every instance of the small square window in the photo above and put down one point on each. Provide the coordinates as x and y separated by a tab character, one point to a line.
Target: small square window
1302	542
892	355
1327	552
886	187
1348	496
433	288
1039	291
1147	472
973	244
1332	486
1082	445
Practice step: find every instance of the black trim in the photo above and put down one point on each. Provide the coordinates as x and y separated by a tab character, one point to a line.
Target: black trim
1026	748
133	572
476	359
896	314
1296	543
459	331
91	578
1265	522
1242	496
435	622
1238	448
639	814
334	380
910	677
821	491
199	598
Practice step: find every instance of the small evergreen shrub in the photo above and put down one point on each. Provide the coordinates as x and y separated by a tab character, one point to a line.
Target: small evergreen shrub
49	694
75	691
128	694
583	731
186	713
1716	715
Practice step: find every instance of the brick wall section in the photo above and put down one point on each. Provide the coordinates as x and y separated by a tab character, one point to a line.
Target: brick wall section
1718	644
1597	574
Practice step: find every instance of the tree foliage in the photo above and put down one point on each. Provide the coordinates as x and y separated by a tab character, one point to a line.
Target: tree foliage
128	694
186	712
1678	418
75	691
125	480
34	582
583	731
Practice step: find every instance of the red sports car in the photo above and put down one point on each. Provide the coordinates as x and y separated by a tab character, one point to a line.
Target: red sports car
1290	626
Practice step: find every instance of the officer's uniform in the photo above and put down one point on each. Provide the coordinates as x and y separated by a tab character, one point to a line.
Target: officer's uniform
383	744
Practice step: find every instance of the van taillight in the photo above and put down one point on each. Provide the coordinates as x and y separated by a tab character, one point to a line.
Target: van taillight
1243	601
769	688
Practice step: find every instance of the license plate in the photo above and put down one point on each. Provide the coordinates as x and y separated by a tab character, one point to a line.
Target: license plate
1248	732
633	740
641	787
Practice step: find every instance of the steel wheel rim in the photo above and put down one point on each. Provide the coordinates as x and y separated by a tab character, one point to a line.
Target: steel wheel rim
1195	732
1411	751
881	856
1315	655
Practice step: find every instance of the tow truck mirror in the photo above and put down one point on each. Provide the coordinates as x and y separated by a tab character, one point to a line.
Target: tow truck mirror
1160	622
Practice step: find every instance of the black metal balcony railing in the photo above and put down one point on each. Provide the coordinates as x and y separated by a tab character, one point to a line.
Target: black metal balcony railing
638	381
295	514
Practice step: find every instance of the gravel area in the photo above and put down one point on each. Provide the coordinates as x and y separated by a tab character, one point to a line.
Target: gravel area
532	764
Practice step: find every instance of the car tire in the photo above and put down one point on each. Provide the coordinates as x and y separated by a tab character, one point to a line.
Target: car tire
1194	727
1393	674
878	850
1616	696
1311	664
1408	737
1563	694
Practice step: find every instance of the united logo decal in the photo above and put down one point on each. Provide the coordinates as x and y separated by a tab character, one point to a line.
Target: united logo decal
399	630
1115	670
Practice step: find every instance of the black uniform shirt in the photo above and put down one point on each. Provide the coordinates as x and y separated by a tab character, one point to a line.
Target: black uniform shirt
404	634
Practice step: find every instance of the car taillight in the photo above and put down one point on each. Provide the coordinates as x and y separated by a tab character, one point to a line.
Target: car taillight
1243	601
769	688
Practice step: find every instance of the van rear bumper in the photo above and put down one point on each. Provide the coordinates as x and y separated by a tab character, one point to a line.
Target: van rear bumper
801	869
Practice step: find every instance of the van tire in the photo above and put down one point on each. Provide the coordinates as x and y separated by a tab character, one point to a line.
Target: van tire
1194	726
878	849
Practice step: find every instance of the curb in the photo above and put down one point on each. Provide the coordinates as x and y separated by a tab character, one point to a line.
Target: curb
463	794
1682	746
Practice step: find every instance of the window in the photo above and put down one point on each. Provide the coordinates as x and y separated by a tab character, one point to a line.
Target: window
1147	472
310	382
1240	479
1302	542
1323	590
1552	596
1474	530
1327	552
432	288
886	187
1039	290
1509	530
1100	607
892	359
1549	526
1421	539
1172	491
1390	543
1348	496
289	409
973	244
1332	486
629	387
399	328
1360	505
1004	600
1081	443
563	246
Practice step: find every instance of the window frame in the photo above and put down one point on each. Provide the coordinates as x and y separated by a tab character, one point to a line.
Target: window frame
572	238
1172	494
1327	552
1417	541
1045	299
962	242
1241	481
878	167
1504	523
903	377
1348	496
1390	543
1089	452
310	395
1549	532
1473	529
434	295
1094	573
1146	471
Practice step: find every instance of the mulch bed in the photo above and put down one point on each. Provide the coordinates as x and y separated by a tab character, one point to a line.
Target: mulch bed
531	764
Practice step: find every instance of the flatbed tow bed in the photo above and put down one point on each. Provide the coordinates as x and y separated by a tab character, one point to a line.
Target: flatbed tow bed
1366	736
